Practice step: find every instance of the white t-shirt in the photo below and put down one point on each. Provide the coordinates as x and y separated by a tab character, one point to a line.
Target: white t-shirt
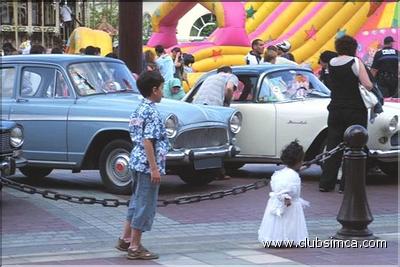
342	60
66	13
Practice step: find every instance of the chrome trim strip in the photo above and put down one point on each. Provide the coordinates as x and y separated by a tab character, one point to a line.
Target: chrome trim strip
387	156
188	155
41	162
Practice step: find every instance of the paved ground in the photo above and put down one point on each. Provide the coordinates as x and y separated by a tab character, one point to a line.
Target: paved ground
37	231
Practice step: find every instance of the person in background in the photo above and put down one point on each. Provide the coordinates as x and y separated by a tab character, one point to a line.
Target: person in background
279	58
188	60
37	49
92	51
283	50
385	68
9	49
270	55
346	107
323	61
112	55
176	55
254	57
217	89
25	46
147	165
66	19
149	61
56	50
174	89
82	51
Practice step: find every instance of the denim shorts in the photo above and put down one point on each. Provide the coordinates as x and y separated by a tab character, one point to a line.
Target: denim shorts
143	203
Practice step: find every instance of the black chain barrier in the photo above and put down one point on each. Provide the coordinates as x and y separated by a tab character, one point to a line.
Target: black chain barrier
162	203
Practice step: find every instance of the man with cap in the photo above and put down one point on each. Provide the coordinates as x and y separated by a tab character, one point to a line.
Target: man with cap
217	90
385	68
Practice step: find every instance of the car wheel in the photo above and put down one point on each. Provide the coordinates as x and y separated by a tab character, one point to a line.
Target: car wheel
233	166
198	177
114	167
35	172
390	168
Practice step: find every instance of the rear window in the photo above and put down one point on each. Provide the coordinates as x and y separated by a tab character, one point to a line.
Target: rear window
8	78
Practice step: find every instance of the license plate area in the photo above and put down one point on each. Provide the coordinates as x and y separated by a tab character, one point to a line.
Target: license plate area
210	163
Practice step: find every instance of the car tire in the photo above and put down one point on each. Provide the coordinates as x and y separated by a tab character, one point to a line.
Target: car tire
390	168
114	167
35	172
198	177
233	166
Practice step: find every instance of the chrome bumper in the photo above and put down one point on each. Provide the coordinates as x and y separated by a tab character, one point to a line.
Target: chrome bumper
386	156
189	155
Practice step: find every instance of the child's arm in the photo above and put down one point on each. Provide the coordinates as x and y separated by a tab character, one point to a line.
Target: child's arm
151	158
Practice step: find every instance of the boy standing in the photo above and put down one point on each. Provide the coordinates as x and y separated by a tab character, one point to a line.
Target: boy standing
147	163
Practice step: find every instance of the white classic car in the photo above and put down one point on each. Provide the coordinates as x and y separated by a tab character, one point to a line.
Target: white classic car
281	103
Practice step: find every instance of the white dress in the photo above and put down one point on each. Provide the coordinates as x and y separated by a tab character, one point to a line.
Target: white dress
280	222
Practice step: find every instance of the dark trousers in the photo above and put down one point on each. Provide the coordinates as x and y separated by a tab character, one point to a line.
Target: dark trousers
338	121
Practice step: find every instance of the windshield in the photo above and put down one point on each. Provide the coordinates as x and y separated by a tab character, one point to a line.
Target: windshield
290	85
91	78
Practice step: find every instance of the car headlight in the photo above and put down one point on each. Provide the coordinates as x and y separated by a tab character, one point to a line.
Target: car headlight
16	137
235	122
393	124
171	125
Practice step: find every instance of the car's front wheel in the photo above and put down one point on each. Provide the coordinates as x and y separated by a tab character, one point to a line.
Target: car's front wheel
198	177
390	168
35	172
114	166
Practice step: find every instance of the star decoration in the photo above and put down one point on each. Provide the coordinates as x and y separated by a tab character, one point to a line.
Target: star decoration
250	12
216	54
340	33
311	33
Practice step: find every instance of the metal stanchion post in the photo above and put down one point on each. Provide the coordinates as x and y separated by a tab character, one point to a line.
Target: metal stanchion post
354	214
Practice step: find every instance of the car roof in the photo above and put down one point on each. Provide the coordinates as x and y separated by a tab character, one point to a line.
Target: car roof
266	67
55	58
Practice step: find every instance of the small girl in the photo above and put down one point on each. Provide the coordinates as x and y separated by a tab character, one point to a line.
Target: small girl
284	218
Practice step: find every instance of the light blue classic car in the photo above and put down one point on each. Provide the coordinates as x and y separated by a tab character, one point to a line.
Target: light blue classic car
75	111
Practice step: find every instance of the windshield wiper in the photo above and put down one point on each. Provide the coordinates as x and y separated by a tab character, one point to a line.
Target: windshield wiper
85	80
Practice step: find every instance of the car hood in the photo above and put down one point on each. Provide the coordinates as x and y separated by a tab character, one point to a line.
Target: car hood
122	105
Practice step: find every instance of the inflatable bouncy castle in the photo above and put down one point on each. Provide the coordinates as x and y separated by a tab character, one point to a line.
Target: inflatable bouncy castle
310	27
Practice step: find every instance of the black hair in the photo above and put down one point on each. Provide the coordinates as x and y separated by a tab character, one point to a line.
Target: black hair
346	45
290	56
90	50
326	56
176	49
112	55
56	50
225	69
292	154
37	49
255	42
188	59
147	81
159	49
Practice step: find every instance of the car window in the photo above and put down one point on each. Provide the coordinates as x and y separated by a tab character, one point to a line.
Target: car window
101	77
61	87
8	77
246	89
289	85
37	82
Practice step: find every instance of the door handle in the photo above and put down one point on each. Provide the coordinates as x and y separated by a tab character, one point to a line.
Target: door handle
22	100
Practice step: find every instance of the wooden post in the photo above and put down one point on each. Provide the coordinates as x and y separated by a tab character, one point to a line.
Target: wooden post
130	34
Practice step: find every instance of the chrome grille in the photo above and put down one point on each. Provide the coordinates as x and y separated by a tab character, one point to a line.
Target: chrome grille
203	137
394	140
5	142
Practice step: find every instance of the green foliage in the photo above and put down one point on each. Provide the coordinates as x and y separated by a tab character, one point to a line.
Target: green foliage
97	10
208	30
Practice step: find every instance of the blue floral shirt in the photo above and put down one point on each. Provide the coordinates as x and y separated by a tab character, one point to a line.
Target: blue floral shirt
146	123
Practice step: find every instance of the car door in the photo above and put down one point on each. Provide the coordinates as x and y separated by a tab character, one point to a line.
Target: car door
8	82
257	138
41	106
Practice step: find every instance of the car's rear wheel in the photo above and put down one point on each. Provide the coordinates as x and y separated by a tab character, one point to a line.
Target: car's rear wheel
198	177
390	168
35	172
114	167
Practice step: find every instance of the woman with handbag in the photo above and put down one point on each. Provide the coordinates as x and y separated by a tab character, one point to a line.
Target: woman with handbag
346	107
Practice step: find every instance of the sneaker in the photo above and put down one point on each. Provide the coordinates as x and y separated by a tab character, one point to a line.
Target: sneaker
122	245
141	254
